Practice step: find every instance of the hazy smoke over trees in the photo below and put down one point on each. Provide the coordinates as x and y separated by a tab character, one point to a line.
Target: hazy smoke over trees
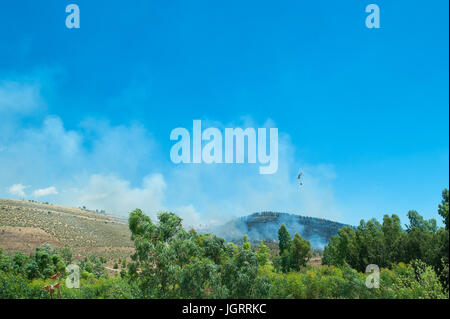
265	225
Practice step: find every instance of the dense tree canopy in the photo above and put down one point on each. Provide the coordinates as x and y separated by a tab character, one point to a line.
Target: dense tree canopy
172	262
387	244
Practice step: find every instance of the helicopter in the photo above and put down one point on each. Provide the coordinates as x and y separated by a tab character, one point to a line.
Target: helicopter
299	177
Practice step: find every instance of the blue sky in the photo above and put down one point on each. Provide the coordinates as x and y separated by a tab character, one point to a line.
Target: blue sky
363	112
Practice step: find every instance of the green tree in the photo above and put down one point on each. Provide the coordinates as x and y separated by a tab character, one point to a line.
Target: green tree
393	237
246	245
19	260
444	241
443	207
343	248
387	244
241	275
170	262
284	239
300	252
66	254
416	222
32	270
262	254
170	224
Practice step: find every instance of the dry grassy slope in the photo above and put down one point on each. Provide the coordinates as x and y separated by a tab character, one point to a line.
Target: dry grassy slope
25	225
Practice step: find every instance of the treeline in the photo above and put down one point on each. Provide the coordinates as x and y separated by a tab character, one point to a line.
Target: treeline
386	244
311	226
172	262
293	253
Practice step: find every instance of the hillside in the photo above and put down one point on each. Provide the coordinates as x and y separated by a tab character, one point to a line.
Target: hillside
264	226
24	225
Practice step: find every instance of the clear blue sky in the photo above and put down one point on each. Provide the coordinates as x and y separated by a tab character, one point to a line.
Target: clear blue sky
369	105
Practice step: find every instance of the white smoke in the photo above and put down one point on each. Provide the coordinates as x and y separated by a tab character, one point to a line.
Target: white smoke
120	168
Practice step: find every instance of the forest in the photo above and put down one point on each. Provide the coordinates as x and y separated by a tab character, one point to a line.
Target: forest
170	261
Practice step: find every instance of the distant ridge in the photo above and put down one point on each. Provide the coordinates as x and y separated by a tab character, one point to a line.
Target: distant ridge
264	226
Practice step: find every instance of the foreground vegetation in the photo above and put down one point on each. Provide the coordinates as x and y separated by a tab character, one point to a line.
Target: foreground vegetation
172	262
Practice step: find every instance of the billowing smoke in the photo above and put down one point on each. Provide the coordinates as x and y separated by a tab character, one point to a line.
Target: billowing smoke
317	242
265	225
118	168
